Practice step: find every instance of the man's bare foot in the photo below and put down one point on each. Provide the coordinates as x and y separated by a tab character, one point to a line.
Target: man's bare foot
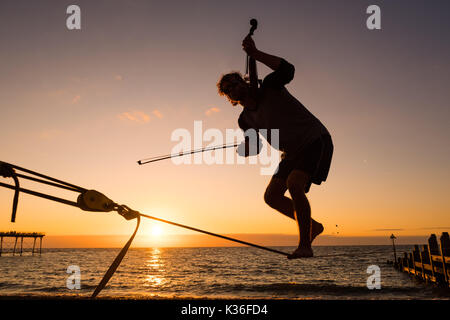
317	228
301	252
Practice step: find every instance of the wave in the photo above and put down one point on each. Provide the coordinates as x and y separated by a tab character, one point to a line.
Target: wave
5	285
325	287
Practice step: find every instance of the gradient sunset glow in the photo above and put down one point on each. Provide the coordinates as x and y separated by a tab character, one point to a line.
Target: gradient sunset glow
84	106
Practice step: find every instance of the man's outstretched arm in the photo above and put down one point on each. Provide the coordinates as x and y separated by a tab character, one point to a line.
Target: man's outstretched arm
273	62
283	70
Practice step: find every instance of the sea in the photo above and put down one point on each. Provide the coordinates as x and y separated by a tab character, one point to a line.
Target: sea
341	272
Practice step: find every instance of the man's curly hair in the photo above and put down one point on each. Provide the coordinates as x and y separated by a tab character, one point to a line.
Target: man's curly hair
231	78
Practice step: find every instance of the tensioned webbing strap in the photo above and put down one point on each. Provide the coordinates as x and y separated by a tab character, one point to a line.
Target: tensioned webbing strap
116	262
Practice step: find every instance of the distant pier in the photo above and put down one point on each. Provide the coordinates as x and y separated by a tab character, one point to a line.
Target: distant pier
430	262
21	236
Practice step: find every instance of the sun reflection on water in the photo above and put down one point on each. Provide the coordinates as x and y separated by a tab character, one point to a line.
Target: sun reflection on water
155	268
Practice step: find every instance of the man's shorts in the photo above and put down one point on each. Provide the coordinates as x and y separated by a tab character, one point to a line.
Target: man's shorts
314	159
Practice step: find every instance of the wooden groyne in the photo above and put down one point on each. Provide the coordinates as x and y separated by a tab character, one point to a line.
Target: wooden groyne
21	236
430	262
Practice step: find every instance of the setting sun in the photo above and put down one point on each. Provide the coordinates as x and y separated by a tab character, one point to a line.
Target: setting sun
157	231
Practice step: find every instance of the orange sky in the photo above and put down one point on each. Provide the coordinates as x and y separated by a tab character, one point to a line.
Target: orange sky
84	106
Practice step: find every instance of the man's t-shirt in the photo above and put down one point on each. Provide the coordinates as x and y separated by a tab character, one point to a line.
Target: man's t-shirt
278	109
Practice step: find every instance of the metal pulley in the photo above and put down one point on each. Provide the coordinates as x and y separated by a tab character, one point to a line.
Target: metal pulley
92	200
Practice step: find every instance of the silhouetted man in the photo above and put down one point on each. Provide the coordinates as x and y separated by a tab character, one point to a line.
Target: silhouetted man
305	142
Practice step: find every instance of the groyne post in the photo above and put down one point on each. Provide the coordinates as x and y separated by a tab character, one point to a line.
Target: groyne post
445	251
433	249
393	246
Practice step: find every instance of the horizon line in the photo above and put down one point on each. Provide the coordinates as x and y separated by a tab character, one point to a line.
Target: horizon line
230	233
